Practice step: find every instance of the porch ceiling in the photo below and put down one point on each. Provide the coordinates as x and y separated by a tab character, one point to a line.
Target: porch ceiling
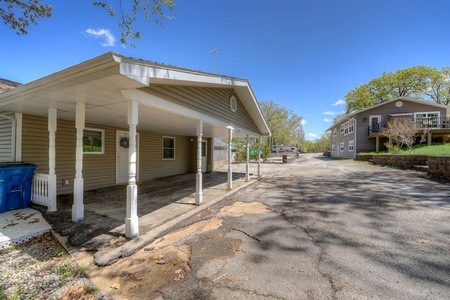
99	84
105	105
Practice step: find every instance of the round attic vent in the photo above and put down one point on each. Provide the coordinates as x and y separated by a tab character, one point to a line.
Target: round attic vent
399	103
233	104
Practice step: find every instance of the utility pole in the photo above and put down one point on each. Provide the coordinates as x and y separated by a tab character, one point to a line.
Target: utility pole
214	60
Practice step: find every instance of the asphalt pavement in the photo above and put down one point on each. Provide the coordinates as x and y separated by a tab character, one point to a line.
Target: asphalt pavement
333	229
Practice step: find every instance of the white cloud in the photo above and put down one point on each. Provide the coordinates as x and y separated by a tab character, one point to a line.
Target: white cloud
303	123
330	113
313	135
339	102
327	120
108	39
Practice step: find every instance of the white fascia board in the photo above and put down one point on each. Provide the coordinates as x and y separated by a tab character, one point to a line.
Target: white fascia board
152	72
251	104
399	115
96	68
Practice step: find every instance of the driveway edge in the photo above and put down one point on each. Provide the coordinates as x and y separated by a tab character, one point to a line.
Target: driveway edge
106	258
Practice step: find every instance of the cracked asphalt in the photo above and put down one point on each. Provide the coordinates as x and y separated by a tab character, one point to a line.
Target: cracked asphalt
335	229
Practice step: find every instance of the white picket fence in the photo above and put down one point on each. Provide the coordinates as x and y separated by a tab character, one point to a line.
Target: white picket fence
39	189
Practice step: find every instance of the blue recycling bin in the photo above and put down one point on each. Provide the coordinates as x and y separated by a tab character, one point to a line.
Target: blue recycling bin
15	185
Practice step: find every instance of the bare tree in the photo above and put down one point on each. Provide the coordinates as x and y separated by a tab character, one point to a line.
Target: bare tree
404	132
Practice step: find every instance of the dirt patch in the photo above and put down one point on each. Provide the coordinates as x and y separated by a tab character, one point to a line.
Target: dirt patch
242	208
166	261
141	276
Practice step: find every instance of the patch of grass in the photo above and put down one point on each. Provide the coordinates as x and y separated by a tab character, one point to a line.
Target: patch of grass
435	149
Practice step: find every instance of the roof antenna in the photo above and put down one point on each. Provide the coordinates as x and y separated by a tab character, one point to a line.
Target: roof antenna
214	60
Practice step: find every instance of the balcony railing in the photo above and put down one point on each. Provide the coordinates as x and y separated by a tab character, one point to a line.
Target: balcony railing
428	123
377	128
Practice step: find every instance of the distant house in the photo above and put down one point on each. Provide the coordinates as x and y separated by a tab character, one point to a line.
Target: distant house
220	156
114	119
361	131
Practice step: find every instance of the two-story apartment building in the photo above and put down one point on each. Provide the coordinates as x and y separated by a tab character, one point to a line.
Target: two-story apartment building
362	131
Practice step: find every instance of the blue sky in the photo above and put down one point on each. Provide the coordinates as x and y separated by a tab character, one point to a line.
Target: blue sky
303	54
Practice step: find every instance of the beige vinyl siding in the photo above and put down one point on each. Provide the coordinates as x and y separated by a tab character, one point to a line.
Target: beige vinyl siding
212	102
193	155
6	137
35	142
151	163
99	170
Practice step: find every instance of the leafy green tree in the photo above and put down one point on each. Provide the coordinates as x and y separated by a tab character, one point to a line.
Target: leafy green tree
128	15
20	14
285	124
410	82
323	143
439	90
309	146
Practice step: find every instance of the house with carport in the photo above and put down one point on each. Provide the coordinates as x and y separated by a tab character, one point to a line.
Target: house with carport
362	131
118	120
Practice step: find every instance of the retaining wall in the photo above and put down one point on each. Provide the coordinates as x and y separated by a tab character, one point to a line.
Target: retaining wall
439	166
436	165
401	161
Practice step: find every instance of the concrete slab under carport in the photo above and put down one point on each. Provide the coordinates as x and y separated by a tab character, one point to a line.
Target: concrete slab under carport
162	204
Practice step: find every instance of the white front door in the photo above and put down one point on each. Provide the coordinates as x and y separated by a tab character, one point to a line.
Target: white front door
122	155
204	156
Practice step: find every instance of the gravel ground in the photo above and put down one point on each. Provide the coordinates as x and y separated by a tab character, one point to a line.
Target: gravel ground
42	269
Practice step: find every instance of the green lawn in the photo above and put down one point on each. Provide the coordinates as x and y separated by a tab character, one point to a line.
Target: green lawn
435	149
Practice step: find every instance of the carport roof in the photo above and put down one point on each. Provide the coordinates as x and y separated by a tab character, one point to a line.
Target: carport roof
99	83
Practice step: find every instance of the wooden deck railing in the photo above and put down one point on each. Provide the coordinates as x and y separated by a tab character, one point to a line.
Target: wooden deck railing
428	122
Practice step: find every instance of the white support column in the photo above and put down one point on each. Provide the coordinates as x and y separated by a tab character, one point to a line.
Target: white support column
52	124
259	156
199	175
230	171
78	183
247	160
131	220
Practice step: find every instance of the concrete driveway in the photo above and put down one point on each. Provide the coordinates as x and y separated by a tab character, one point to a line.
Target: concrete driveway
331	229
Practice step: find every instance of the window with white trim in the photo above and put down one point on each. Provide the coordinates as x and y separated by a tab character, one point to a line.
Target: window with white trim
351	126
335	131
93	141
427	118
332	147
351	146
168	147
342	128
346	128
342	148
